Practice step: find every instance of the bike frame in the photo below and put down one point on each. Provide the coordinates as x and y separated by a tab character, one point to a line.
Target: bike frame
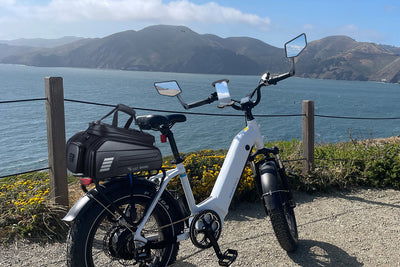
225	185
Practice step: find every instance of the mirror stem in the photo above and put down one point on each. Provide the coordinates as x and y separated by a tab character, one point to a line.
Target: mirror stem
292	70
185	106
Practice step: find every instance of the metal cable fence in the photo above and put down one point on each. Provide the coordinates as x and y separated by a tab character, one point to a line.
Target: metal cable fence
196	113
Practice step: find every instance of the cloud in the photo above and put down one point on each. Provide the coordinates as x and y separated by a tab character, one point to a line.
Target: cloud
180	11
98	18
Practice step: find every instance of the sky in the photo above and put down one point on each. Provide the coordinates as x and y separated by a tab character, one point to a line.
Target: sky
271	21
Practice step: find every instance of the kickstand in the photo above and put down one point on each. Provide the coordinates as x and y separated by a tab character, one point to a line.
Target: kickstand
225	259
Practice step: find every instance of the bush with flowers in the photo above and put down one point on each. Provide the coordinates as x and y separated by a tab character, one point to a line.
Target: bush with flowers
25	210
203	167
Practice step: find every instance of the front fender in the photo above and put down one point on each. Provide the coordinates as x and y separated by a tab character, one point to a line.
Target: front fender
270	187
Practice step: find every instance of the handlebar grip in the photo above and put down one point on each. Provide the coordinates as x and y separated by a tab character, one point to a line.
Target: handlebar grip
279	78
208	100
198	103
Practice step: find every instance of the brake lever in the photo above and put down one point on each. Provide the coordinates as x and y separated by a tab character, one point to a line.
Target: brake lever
265	77
213	97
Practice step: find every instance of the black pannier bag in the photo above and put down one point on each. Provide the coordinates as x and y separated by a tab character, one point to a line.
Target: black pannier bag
105	150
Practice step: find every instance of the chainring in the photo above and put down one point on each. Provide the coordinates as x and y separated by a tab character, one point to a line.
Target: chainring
206	219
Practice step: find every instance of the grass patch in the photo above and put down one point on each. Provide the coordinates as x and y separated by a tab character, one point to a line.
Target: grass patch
372	163
25	210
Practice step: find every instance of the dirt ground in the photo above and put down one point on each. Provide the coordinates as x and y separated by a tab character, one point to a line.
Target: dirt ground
357	228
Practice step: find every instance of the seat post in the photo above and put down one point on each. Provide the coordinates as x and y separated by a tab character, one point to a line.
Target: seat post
168	133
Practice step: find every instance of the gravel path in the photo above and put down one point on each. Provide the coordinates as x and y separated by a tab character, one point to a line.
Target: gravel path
359	228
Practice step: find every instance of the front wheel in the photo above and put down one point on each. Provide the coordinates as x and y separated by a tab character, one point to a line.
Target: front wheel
279	206
284	224
100	236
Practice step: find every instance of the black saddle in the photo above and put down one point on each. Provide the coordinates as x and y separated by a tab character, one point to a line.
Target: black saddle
155	122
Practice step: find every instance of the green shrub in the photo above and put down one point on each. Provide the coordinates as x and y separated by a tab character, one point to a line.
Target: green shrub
25	210
382	168
373	163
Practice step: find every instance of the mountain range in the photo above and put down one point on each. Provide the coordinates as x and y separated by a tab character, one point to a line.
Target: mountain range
179	49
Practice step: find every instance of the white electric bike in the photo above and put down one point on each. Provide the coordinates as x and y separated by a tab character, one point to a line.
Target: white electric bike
136	221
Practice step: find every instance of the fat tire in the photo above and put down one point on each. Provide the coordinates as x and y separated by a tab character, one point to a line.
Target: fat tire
281	214
286	237
84	227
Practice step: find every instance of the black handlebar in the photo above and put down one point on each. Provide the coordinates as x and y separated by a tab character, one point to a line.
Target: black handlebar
279	78
269	81
213	97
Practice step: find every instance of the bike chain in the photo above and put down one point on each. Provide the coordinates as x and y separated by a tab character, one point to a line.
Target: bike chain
181	220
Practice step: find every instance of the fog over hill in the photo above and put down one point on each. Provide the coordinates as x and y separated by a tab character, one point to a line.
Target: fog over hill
179	49
40	42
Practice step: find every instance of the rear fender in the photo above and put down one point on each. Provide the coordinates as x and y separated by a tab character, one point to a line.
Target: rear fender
93	196
80	205
270	187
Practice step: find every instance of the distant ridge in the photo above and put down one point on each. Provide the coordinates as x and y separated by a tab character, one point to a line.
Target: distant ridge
342	58
161	48
40	42
179	49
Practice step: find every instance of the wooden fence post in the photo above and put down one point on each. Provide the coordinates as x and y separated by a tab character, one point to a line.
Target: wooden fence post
308	136
54	92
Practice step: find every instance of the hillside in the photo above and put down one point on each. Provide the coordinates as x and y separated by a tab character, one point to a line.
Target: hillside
342	58
23	46
161	48
9	50
179	49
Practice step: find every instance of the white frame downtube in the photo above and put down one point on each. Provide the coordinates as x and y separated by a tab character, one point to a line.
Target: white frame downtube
225	185
231	171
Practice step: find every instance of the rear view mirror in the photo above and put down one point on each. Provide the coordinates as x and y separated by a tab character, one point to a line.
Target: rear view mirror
169	88
224	98
294	47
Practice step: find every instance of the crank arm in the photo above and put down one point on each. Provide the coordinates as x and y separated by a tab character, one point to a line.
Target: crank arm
225	259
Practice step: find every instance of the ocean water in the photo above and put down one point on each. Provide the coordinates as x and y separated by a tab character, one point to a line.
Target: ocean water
23	139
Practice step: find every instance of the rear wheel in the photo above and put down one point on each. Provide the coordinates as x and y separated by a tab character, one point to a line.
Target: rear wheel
100	236
279	206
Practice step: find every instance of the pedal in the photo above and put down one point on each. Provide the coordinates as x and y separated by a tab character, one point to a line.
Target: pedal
208	224
228	257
